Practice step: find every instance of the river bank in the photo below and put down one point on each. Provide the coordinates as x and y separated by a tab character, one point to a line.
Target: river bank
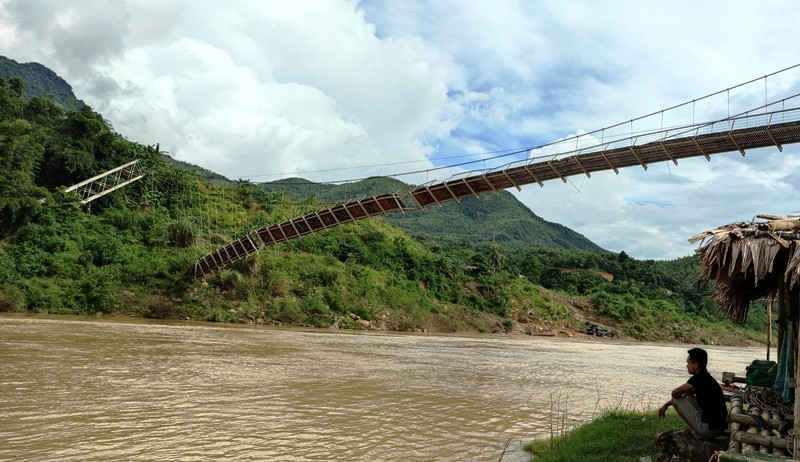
554	315
614	436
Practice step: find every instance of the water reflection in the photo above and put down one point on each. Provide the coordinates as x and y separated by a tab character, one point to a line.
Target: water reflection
134	390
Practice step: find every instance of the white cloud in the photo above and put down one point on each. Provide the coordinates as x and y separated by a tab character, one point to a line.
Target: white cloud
251	88
247	87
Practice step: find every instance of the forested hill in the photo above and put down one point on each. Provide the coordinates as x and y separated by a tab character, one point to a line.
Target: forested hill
40	81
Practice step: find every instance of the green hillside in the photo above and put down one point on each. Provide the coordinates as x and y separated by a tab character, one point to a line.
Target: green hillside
40	81
132	252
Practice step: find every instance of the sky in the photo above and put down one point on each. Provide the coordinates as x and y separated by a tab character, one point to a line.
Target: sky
341	89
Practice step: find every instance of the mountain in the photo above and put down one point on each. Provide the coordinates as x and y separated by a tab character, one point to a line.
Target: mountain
502	218
40	81
492	218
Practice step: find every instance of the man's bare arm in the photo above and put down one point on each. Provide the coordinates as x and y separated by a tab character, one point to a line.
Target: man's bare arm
683	390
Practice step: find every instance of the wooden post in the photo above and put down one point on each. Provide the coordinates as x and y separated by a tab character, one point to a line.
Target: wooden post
788	309
781	316
769	328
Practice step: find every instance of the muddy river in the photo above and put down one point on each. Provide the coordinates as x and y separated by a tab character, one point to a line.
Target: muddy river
77	389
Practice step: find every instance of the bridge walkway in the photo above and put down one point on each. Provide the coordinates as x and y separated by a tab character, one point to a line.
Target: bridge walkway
613	159
528	172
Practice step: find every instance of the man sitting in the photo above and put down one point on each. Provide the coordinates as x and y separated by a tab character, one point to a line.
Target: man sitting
699	401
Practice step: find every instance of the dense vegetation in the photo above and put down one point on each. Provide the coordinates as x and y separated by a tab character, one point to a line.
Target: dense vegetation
131	252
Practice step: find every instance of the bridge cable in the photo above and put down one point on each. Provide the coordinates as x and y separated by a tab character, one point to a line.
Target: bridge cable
576	137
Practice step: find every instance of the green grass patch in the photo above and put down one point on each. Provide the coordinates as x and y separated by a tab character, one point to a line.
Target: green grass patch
615	436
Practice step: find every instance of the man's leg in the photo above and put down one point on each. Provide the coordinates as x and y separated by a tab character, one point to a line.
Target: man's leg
689	410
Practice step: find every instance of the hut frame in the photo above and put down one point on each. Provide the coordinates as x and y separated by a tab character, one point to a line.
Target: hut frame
756	260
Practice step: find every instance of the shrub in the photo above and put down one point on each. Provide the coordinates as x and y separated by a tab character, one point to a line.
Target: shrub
288	310
335	299
11	298
47	296
228	279
249	266
325	276
95	291
277	282
617	307
181	233
315	305
158	307
8	271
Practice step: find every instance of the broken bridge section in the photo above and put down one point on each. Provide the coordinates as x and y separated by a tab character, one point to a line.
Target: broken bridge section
104	183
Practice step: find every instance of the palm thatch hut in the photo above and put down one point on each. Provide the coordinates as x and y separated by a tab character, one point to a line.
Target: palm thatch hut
750	261
759	260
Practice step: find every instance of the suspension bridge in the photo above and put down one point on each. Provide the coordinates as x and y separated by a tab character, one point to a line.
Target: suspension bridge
775	123
700	140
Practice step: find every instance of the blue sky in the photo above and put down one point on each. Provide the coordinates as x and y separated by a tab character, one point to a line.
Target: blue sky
261	88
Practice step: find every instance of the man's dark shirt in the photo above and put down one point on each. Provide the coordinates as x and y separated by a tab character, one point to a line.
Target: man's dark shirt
711	401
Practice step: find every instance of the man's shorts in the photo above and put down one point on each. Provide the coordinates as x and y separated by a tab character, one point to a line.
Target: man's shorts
689	409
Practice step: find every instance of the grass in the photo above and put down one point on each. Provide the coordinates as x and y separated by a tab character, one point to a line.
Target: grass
614	437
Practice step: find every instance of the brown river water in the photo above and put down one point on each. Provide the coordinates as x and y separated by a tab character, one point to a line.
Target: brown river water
78	389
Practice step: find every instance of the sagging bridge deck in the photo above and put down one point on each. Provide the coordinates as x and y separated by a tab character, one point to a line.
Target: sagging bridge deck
494	181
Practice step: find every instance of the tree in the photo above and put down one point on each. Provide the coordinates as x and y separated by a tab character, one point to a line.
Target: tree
11	104
495	257
17	85
43	111
19	155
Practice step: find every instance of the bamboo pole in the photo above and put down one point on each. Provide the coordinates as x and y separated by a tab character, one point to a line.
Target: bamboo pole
744	419
758	440
779	451
736	411
765	449
748	445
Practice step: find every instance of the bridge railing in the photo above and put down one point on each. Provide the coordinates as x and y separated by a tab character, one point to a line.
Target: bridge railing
586	143
307	224
608	157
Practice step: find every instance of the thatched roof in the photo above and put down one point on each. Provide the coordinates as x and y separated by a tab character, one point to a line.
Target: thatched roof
746	260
